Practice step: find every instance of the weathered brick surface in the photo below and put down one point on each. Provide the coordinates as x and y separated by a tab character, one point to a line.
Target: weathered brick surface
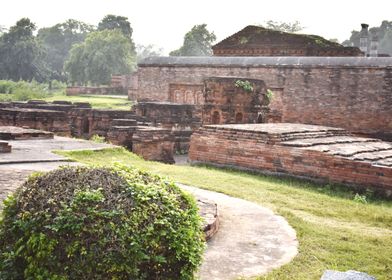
259	41
321	153
49	120
153	143
353	94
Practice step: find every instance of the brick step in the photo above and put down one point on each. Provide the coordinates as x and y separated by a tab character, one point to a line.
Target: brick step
311	134
5	147
18	133
123	127
124	122
384	162
373	156
351	149
309	142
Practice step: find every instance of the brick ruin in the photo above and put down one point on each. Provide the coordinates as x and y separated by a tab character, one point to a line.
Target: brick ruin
259	41
79	120
352	93
320	153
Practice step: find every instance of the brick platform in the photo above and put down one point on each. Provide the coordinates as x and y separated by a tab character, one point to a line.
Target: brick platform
18	133
316	152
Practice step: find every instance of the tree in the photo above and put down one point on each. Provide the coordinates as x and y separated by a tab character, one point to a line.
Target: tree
291	27
101	55
197	42
21	54
58	41
147	51
112	22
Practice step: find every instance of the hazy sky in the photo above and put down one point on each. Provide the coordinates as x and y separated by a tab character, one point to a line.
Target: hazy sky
164	23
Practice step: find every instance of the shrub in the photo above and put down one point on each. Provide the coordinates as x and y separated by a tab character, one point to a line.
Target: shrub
99	223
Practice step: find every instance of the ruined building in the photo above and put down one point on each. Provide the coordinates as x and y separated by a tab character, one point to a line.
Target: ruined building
259	41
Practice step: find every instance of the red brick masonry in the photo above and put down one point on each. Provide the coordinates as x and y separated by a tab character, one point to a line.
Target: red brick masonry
317	152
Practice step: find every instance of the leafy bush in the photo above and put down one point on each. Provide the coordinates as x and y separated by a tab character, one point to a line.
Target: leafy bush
245	85
98	139
99	223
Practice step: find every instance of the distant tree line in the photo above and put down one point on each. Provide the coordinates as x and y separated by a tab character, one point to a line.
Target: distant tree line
383	33
80	53
72	51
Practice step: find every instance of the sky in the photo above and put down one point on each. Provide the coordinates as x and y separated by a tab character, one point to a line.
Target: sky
164	23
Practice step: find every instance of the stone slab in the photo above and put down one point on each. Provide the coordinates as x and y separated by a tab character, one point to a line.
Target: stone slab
251	240
19	133
348	275
41	150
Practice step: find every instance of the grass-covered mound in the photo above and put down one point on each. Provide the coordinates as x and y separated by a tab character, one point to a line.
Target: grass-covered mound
99	223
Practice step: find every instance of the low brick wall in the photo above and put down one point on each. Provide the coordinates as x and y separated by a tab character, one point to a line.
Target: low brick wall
48	120
153	144
95	90
358	162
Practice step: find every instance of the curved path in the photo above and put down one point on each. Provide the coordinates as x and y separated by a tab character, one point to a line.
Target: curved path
251	240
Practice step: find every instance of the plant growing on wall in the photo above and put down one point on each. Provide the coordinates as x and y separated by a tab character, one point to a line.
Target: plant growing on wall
245	85
269	96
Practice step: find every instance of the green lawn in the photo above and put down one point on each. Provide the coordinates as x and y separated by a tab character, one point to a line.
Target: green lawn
118	102
334	230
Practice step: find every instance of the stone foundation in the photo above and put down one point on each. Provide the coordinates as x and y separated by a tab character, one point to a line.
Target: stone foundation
320	153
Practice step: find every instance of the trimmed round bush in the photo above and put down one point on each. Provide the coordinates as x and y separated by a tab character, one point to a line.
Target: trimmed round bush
99	223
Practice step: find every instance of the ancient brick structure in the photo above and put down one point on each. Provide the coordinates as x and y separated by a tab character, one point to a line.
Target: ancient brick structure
17	133
353	93
228	100
153	143
78	120
49	120
320	153
259	41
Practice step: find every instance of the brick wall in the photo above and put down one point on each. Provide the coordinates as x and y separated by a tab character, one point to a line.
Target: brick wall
248	150
353	93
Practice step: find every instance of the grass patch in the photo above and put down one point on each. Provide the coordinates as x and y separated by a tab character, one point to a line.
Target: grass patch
118	102
334	230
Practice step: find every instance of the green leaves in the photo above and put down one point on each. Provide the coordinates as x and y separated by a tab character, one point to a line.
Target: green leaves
102	54
197	42
99	223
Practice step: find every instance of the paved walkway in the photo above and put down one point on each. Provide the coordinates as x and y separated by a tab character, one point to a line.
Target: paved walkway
251	240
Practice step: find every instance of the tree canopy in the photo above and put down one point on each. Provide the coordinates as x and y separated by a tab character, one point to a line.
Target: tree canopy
21	54
112	22
102	54
197	42
58	41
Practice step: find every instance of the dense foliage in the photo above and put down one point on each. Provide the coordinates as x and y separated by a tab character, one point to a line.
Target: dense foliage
58	40
197	42
23	91
21	54
27	55
99	223
101	55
